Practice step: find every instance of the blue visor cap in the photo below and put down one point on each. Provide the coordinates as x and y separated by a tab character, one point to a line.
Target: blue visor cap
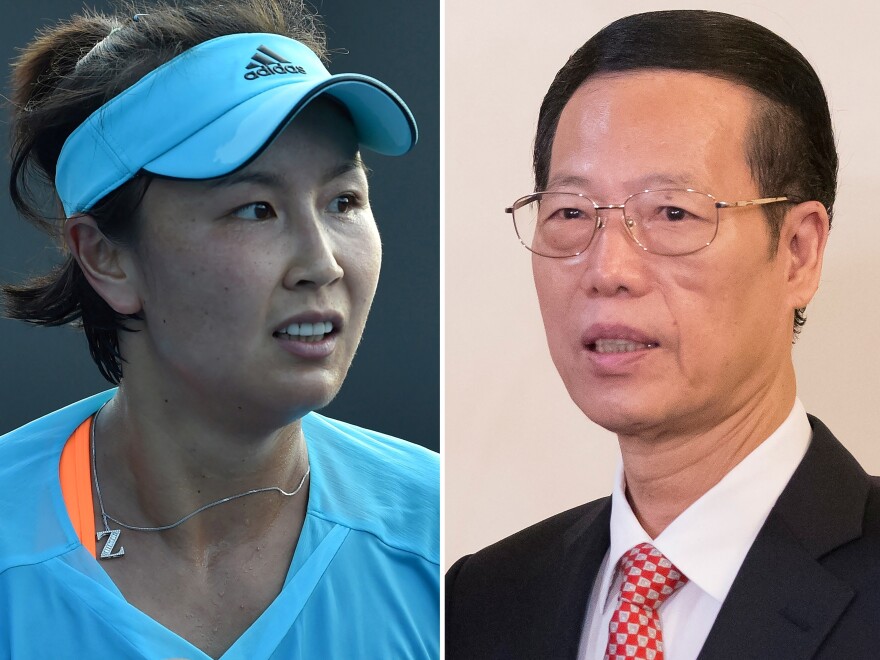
212	109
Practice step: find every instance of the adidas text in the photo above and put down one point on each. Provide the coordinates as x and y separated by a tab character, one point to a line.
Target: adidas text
272	69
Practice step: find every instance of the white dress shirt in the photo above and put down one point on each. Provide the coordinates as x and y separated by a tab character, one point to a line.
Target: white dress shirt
707	542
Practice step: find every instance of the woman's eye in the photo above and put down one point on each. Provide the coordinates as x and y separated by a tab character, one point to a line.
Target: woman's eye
343	204
255	211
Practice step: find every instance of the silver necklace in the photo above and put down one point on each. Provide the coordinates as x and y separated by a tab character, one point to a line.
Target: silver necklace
107	552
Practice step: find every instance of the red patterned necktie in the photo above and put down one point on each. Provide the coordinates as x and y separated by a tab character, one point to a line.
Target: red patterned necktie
649	579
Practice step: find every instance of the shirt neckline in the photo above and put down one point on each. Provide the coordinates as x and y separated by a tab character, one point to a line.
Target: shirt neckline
302	577
709	540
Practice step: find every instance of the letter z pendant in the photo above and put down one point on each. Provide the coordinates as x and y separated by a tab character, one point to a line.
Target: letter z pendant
109	544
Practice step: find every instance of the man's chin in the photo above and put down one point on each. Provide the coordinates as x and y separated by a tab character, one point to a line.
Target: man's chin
624	418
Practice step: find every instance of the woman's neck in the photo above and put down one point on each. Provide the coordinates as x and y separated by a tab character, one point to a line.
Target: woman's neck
159	459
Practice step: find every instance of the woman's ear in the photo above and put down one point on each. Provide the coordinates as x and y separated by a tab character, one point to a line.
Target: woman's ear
108	267
805	235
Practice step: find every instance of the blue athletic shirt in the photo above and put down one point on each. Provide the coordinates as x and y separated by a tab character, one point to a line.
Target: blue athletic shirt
363	583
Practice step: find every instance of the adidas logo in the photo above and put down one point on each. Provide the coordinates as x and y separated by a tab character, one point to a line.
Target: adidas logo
265	62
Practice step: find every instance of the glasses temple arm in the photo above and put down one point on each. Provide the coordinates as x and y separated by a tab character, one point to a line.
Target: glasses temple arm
753	202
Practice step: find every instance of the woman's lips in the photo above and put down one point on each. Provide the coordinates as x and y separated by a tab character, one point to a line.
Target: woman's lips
310	335
310	347
308	332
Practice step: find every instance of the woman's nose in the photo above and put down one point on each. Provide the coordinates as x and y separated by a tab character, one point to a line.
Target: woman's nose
313	258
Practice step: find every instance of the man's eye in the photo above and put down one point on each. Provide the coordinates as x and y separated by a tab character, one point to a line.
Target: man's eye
673	213
255	211
566	213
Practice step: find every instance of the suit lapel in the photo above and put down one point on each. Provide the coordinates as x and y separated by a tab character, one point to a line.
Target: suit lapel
584	547
783	602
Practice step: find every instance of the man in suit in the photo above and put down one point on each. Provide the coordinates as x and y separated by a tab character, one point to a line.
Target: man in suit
686	170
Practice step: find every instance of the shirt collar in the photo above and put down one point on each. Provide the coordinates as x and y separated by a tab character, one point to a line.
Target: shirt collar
709	540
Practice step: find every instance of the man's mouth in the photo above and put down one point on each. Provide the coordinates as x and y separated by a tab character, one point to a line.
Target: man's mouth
307	332
618	346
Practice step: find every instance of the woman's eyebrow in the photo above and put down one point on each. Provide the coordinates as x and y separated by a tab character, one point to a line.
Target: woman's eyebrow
269	179
355	163
273	180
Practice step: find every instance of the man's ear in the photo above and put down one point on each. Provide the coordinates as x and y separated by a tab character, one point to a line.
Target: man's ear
802	243
107	266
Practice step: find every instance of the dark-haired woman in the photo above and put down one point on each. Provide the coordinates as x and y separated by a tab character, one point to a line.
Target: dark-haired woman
223	262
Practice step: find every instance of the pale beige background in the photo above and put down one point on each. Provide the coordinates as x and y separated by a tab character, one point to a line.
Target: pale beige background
516	449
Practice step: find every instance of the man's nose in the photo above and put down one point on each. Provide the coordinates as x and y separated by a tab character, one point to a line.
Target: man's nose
613	262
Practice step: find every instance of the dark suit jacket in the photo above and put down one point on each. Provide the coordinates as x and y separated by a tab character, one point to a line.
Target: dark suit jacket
809	586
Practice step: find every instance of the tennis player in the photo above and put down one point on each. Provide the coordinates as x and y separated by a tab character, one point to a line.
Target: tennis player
222	262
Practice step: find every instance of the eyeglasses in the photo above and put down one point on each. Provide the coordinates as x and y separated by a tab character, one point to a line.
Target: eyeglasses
667	222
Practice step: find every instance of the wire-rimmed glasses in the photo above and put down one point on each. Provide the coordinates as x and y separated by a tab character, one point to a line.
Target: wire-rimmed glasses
671	222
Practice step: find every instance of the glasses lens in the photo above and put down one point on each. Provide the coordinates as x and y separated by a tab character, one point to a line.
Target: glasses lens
555	224
672	222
